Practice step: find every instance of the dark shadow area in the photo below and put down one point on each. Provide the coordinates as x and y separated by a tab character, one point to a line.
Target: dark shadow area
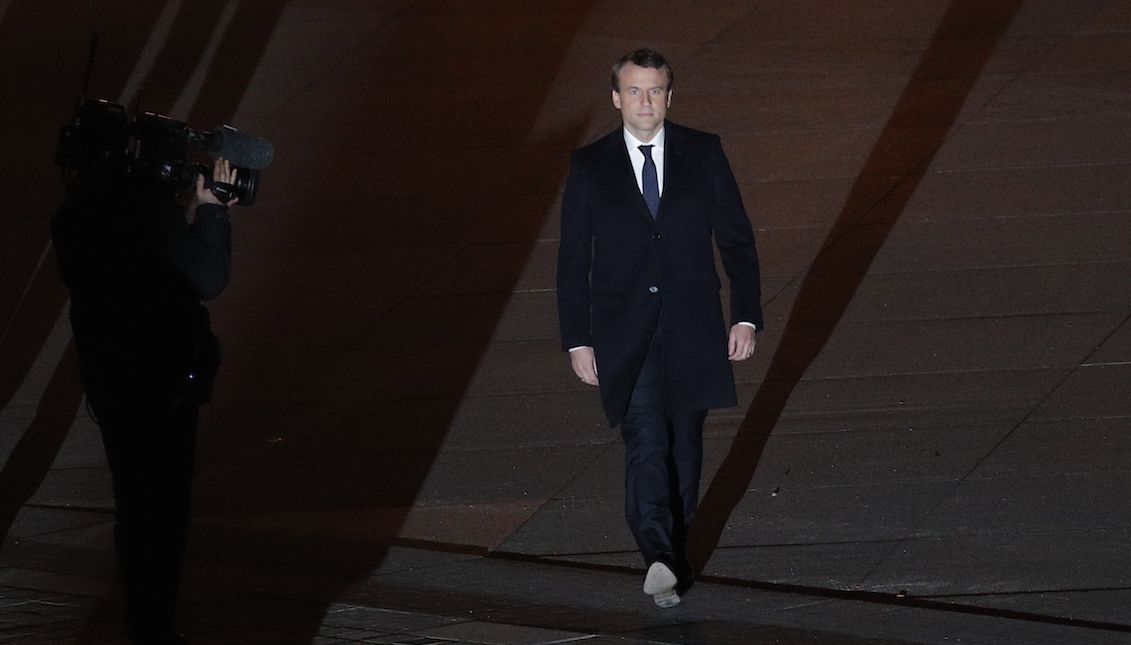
53	40
40	98
32	295
29	319
926	111
381	447
33	455
328	418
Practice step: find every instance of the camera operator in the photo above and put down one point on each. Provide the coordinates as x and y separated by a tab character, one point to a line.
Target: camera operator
138	258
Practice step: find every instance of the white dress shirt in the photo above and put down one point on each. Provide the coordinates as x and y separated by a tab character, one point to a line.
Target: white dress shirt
636	156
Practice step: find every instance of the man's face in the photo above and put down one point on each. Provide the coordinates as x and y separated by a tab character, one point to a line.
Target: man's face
643	100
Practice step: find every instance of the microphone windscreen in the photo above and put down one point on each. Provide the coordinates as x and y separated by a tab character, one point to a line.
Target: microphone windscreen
240	149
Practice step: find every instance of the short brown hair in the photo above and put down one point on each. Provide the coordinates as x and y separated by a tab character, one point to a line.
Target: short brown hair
643	58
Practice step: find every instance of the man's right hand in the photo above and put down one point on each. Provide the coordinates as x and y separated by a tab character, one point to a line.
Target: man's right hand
584	364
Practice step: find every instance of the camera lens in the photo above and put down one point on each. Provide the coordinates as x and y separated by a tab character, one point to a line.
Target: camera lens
247	183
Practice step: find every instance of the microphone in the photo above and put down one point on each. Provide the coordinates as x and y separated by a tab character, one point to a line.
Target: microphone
240	149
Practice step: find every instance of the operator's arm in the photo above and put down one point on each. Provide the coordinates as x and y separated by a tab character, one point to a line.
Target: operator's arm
203	252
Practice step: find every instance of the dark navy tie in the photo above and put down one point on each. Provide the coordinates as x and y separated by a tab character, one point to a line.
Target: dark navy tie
651	182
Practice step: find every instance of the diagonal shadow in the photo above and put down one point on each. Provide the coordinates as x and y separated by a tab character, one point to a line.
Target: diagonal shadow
31	293
364	419
33	454
31	289
394	449
926	111
26	325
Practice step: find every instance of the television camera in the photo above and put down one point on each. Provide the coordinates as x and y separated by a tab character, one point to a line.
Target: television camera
103	145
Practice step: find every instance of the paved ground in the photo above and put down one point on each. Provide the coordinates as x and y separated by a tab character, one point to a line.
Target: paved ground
931	446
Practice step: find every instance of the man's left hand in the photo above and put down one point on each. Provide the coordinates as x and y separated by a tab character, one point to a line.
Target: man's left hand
742	342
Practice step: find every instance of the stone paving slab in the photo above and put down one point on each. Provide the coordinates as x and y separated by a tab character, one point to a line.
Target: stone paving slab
1090	392
734	614
1116	348
839	565
866	512
974	398
1031	505
972	345
1075	238
1036	562
998	193
1053	448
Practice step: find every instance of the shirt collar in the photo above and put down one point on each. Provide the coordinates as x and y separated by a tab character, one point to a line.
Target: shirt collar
632	143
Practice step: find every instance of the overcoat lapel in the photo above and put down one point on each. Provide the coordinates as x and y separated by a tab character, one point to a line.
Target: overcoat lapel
673	165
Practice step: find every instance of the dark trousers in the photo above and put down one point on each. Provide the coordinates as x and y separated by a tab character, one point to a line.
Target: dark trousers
150	447
662	465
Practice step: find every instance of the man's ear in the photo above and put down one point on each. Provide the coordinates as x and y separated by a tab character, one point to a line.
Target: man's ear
670	97
616	99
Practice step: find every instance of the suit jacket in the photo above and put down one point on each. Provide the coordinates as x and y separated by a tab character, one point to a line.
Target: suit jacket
618	269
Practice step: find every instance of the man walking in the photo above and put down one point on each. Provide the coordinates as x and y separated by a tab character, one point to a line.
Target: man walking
639	306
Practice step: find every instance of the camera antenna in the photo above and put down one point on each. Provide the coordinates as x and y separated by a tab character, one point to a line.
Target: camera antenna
90	63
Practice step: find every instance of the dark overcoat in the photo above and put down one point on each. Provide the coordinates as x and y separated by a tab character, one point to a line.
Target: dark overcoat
618	269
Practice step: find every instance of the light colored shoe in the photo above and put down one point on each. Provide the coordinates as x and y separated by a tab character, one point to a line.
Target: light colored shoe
660	584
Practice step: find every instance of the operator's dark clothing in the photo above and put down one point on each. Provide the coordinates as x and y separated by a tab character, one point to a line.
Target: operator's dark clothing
137	273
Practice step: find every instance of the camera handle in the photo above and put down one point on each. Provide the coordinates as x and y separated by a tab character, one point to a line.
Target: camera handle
224	192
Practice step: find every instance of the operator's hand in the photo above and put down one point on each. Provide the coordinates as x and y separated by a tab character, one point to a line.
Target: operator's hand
741	343
584	364
223	173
